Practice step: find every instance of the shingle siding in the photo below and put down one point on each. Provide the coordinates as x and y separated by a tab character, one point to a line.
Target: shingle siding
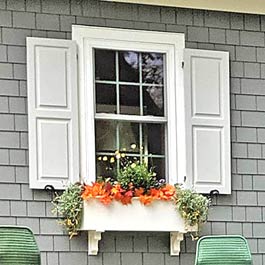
243	212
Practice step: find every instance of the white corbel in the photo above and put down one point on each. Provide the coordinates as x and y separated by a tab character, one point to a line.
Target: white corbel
93	238
175	239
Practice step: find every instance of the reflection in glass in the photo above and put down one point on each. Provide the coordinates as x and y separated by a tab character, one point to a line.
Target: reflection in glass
106	98
113	135
153	101
129	66
152	68
130	100
129	135
105	136
105	65
159	166
153	74
106	166
154	138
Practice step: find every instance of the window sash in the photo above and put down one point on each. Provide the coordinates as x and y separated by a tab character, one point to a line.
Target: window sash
118	83
132	118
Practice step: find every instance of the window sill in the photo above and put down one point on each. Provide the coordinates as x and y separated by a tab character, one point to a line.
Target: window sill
159	216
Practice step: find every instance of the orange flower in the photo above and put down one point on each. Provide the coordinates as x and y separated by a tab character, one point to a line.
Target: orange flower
116	189
138	192
168	192
86	194
94	190
106	199
146	199
127	197
126	200
116	192
107	193
164	193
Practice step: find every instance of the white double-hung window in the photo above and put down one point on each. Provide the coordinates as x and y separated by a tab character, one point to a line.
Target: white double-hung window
139	92
129	99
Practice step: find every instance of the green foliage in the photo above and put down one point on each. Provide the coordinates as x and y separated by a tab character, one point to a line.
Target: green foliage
193	207
137	175
69	205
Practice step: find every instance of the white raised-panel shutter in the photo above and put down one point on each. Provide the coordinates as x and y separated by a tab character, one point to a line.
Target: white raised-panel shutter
53	112
207	105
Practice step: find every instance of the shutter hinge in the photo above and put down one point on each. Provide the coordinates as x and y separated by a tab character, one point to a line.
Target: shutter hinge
182	64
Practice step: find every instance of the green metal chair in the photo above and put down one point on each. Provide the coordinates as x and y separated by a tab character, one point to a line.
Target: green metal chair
215	250
18	246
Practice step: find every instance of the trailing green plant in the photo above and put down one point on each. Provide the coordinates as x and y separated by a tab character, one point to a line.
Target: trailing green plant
69	206
192	206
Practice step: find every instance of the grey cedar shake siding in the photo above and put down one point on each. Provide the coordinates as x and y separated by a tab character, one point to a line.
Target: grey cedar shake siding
243	212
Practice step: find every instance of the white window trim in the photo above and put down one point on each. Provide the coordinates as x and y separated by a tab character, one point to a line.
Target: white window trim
172	44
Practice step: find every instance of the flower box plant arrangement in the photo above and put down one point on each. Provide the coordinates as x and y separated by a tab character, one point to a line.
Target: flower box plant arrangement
133	181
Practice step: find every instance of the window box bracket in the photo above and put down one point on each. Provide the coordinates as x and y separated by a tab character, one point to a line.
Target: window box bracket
93	239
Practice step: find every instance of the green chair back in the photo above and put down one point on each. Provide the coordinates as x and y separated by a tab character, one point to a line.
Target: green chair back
18	246
225	250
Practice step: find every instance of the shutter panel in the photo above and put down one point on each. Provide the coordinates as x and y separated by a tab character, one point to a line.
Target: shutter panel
207	110
53	112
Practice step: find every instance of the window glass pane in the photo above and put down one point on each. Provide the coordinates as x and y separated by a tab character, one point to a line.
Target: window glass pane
130	100
153	79
129	66
106	166
116	135
106	98
152	68
128	137
105	65
154	139
105	136
153	100
159	166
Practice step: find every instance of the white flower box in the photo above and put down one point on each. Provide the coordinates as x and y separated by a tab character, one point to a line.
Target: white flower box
158	216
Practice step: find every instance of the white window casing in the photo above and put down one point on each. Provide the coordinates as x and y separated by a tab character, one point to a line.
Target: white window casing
52	112
207	110
172	45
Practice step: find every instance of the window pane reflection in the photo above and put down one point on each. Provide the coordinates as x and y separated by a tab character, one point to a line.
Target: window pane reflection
106	98
105	136
154	138
130	100
129	66
152	68
105	65
153	101
158	165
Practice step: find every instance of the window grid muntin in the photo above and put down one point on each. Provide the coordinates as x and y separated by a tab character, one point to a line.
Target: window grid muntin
110	82
132	155
117	82
140	84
